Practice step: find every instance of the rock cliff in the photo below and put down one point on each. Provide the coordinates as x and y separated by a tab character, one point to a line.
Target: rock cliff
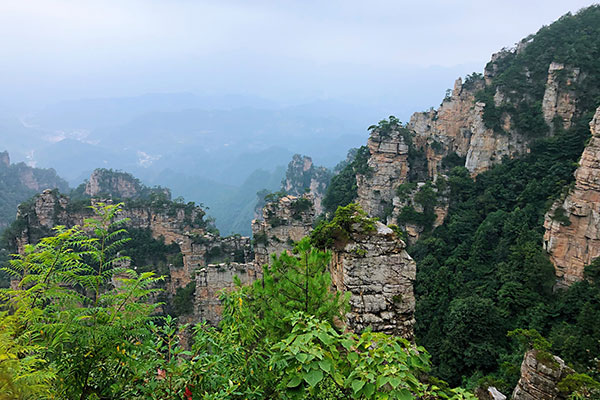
457	127
303	177
540	374
208	260
388	169
107	183
284	222
572	237
212	279
118	184
559	97
375	268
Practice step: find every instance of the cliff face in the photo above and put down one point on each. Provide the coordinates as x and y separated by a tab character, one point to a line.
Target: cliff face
117	184
559	97
375	268
285	221
213	278
539	378
572	236
208	260
388	164
121	185
457	126
302	177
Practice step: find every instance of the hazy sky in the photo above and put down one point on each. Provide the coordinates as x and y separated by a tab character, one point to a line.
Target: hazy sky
287	50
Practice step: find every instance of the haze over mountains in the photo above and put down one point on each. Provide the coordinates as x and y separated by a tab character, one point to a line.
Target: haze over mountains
215	150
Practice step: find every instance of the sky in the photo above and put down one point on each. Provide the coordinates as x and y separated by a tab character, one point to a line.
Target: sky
289	51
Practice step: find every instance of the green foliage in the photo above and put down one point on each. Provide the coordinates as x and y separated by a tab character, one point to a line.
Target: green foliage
489	251
299	282
300	206
329	233
579	386
67	313
530	339
574	41
183	302
342	189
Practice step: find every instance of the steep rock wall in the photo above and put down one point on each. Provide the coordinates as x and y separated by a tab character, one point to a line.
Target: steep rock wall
539	378
559	97
211	280
388	163
572	237
457	127
285	221
121	184
209	260
302	176
375	268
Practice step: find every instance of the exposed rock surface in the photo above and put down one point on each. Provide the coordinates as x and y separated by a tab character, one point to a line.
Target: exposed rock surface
302	177
214	258
375	268
118	184
388	163
539	378
213	278
457	127
559	97
285	221
572	236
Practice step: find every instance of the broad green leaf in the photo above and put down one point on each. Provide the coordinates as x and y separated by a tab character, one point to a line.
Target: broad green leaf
295	381
313	377
357	385
405	394
325	365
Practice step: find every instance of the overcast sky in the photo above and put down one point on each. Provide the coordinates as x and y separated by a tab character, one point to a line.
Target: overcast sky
285	50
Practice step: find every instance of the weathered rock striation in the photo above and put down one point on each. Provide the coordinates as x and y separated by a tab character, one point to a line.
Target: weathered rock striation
457	126
212	279
303	176
284	222
572	237
559	97
378	272
540	376
119	184
207	259
388	164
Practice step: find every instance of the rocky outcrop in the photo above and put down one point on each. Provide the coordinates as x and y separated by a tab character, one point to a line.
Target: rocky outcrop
559	97
572	237
388	169
216	259
284	222
117	184
211	280
378	272
540	374
303	177
457	126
